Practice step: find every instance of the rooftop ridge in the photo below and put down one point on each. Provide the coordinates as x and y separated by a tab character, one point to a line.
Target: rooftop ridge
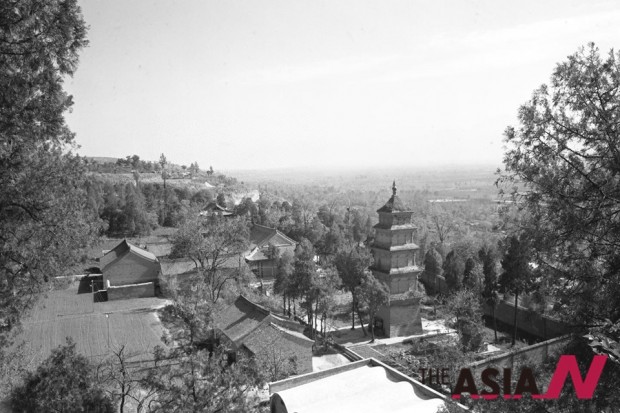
121	248
253	304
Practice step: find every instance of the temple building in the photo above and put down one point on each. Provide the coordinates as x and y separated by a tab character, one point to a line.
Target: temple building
395	265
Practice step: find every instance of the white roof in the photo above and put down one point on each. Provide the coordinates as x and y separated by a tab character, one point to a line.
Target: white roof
363	389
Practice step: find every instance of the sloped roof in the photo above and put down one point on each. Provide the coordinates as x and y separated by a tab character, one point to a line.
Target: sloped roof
253	326
394	204
214	207
177	267
121	250
261	235
186	265
240	319
160	249
268	335
256	254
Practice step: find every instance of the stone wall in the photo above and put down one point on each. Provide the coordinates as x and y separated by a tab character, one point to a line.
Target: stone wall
131	291
533	355
528	321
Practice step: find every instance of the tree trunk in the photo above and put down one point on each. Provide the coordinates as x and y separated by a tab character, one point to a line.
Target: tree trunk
514	332
353	311
289	307
316	311
310	317
494	323
361	321
284	304
371	327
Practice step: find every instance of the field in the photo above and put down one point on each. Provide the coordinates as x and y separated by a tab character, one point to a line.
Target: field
96	327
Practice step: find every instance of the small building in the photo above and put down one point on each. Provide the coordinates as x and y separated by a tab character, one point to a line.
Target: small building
362	386
258	257
248	327
129	272
215	209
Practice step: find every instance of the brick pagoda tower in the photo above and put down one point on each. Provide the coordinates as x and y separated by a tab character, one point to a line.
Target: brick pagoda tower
395	265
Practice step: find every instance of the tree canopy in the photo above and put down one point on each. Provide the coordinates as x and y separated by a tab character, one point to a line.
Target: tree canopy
563	168
43	214
215	245
64	382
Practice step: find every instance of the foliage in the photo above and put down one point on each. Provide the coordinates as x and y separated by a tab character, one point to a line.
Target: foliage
464	306
215	245
453	269
122	382
473	274
198	374
517	277
283	278
305	281
372	294
433	262
274	364
351	264
424	354
43	215
64	382
490	286
564	154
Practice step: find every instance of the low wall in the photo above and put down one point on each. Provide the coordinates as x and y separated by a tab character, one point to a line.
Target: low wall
131	291
528	321
536	354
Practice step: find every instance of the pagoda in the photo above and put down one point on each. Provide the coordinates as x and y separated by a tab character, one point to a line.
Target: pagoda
396	266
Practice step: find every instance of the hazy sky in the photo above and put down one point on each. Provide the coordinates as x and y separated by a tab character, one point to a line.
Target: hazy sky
266	84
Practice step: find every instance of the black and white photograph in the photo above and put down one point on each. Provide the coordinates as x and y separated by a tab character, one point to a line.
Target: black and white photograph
309	206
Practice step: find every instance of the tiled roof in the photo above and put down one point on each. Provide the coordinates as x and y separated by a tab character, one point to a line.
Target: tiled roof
249	324
394	204
240	319
186	265
123	248
261	237
177	267
268	335
160	249
260	233
257	254
214	207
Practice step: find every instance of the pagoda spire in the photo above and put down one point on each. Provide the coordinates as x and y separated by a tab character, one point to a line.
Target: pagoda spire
394	188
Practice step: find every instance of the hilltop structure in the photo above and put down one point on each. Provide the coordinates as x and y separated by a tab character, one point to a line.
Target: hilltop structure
395	265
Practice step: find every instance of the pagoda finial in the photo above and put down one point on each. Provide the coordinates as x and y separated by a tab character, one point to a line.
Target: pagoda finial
394	187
